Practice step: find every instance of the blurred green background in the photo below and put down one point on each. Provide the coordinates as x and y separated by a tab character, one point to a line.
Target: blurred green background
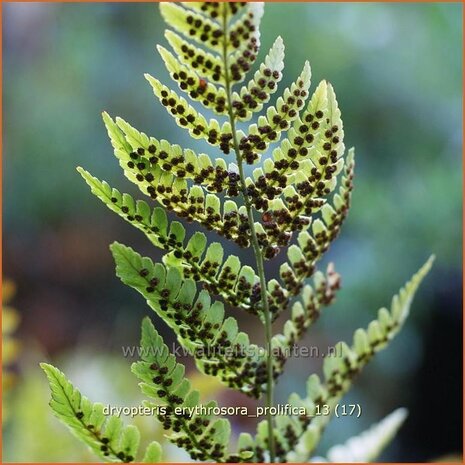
397	71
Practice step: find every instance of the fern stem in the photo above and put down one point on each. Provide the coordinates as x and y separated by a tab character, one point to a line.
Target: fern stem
255	244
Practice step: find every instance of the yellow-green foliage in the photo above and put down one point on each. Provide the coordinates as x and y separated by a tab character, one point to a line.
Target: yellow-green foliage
291	207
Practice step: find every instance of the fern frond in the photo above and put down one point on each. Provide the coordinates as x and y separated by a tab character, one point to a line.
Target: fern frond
187	256
309	158
339	370
226	278
276	119
215	342
198	89
210	65
304	313
367	446
251	98
140	155
303	189
298	205
175	195
189	118
206	65
106	435
153	223
163	379
312	245
325	155
242	59
193	25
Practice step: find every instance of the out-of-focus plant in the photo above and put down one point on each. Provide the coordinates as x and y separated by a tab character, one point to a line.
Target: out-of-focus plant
30	430
302	192
10	345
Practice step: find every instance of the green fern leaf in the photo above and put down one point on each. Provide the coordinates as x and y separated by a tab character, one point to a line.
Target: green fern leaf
163	379
189	118
312	245
276	119
304	313
309	158
210	96
193	25
295	211
237	290
153	453
245	446
251	98
154	223
242	59
174	194
261	442
145	156
215	342
327	149
105	435
304	188
206	65
340	370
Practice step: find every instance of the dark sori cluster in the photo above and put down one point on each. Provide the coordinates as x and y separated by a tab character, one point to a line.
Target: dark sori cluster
293	200
195	432
199	325
225	359
184	422
232	225
104	441
215	179
271	129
